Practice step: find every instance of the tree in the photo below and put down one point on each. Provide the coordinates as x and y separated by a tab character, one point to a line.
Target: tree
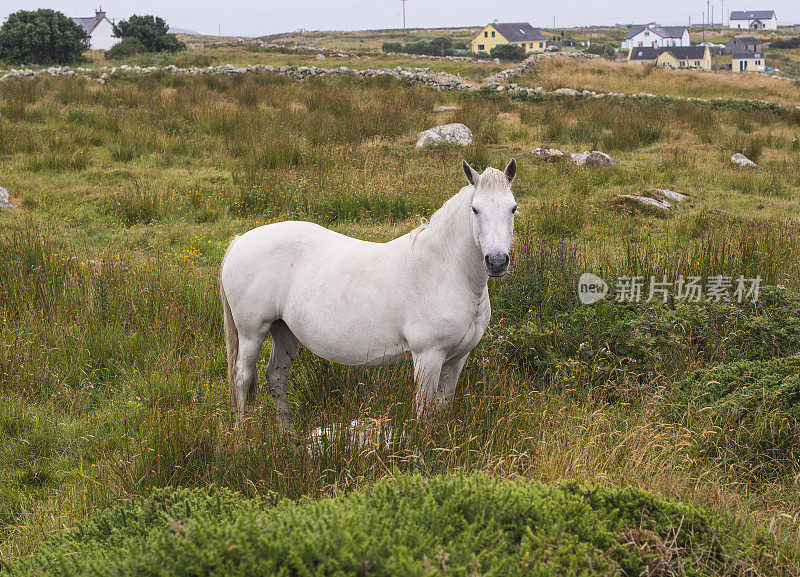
508	52
604	50
41	37
151	31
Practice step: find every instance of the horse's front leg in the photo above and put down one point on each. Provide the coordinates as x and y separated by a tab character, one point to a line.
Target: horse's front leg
427	369
447	381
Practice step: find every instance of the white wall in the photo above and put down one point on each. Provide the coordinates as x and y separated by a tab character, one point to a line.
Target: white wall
771	24
101	37
648	38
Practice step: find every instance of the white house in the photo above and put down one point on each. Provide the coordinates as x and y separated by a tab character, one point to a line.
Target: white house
655	36
100	30
754	20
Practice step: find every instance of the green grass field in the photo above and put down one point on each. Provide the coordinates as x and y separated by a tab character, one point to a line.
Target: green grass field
112	365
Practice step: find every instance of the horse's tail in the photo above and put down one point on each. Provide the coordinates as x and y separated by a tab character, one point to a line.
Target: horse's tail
231	336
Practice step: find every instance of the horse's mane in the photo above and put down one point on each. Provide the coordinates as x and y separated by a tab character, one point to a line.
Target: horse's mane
490	180
444	212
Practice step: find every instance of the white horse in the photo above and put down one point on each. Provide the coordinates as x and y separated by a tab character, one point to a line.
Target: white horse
363	303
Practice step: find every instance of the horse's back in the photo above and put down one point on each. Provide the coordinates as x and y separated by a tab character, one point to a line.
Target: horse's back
299	271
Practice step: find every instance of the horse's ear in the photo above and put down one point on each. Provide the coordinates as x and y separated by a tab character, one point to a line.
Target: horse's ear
472	176
511	171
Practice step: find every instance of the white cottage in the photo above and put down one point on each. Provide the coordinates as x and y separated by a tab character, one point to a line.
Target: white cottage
655	36
100	30
753	20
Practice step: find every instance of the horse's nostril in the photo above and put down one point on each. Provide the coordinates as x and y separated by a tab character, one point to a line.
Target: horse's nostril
496	261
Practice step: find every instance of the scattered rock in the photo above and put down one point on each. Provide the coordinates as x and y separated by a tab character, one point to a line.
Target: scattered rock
320	57
365	434
566	91
741	160
659	198
593	159
496	61
547	153
662	204
454	133
445	108
673	194
4	202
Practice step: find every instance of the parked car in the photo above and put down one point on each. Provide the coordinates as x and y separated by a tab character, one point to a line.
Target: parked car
553	48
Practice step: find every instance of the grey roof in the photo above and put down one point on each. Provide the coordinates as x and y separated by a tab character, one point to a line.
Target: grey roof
643	53
518	32
679	52
752	15
747	55
662	31
685	52
747	39
87	24
633	31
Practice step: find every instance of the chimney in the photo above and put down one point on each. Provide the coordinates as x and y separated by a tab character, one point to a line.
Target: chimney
99	14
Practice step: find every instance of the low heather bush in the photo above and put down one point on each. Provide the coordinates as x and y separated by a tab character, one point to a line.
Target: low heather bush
406	526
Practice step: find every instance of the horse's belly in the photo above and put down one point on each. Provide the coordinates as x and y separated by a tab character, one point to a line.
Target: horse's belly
349	347
348	328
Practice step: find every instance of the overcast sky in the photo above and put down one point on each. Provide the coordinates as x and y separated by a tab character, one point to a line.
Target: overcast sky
252	18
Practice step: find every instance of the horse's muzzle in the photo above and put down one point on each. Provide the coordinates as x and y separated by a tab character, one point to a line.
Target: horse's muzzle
496	263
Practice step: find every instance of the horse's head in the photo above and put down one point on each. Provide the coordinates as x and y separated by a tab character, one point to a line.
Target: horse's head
493	208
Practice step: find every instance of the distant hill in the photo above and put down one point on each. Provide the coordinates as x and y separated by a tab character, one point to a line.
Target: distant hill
183	31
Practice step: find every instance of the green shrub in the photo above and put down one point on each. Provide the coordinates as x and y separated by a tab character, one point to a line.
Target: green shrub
604	50
793	42
407	526
753	409
439	46
41	37
126	48
508	52
151	31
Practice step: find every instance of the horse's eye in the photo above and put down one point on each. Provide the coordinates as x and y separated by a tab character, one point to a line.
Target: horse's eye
514	209
475	210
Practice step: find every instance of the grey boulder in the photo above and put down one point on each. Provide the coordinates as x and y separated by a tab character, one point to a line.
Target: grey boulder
4	202
454	133
593	159
741	160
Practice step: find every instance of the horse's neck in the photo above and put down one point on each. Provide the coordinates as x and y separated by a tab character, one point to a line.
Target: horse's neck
449	237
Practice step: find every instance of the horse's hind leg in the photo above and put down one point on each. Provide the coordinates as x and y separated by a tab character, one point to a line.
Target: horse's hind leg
246	375
284	349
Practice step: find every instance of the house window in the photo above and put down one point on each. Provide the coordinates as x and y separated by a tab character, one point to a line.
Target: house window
480	47
640	44
492	33
530	45
486	35
697	63
541	45
646	33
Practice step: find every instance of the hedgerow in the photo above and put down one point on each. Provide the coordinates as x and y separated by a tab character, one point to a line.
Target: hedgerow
457	525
